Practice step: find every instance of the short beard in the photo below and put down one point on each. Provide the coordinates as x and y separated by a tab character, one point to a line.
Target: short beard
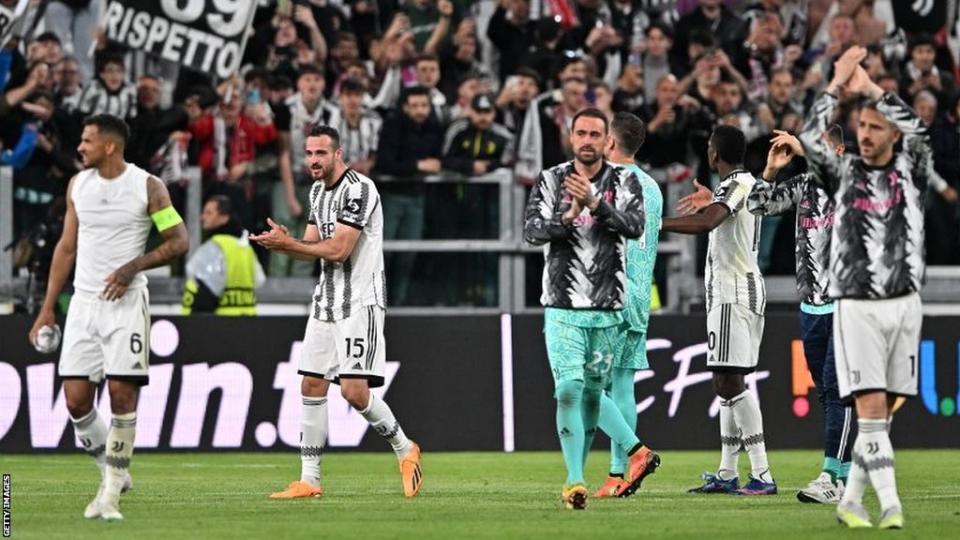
597	158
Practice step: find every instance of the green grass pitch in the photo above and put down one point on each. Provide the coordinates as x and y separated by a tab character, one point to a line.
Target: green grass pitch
465	495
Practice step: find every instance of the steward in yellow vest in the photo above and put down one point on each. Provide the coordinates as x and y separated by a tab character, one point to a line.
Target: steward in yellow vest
224	273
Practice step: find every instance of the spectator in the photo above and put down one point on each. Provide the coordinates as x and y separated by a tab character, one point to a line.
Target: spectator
223	274
461	63
110	92
547	56
227	140
714	17
470	84
20	154
428	76
545	140
779	111
513	34
668	119
73	22
45	175
430	22
411	145
475	145
152	127
629	95
67	80
345	52
303	110
920	73
600	96
359	128
515	97
656	60
941	212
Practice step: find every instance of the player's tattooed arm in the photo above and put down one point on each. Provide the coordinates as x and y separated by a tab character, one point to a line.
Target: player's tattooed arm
175	243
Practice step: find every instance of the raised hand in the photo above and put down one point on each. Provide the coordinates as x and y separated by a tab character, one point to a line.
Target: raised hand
845	67
701	198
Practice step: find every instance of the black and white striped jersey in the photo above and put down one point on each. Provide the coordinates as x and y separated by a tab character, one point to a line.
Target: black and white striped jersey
298	121
344	289
876	249
586	260
359	142
814	225
96	99
732	275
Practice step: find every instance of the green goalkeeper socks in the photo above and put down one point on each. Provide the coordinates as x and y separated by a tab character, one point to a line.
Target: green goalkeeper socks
570	428
618	418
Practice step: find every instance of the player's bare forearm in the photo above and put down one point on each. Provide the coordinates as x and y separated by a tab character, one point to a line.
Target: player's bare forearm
63	260
702	222
175	243
329	250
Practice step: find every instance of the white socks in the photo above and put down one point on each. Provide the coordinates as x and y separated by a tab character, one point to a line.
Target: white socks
123	429
92	433
746	412
382	420
313	435
873	463
729	443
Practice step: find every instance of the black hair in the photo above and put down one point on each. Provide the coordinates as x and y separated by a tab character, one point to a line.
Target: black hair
321	131
729	143
48	36
352	86
629	132
591	112
922	39
109	124
256	73
530	73
703	37
665	29
224	206
279	82
414	91
310	69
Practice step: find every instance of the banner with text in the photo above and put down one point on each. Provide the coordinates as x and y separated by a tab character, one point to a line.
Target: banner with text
206	35
455	383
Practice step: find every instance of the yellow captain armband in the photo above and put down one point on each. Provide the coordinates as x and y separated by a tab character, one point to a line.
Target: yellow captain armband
166	218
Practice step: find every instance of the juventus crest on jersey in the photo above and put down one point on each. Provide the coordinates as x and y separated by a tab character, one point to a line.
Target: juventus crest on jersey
345	288
732	275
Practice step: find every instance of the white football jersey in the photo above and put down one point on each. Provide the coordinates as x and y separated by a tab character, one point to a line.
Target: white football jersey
114	223
345	288
732	275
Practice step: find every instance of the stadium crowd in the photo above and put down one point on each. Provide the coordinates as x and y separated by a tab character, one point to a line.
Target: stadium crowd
436	87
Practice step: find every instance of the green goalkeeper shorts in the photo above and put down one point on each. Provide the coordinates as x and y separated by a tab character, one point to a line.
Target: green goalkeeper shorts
578	353
633	352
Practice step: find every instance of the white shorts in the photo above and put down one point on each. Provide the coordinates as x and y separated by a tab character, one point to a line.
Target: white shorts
876	343
733	338
349	348
104	338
